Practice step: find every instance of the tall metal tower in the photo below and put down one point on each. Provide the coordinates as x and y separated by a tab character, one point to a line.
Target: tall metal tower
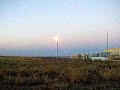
107	43
57	49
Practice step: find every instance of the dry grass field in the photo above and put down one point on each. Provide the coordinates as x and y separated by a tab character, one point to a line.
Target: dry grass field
35	73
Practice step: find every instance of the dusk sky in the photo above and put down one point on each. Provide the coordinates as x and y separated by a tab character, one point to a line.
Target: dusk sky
27	27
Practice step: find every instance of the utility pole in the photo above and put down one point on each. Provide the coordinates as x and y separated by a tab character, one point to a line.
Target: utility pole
57	49
107	43
57	45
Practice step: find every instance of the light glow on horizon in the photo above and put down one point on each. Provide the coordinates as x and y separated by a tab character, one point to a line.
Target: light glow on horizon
55	38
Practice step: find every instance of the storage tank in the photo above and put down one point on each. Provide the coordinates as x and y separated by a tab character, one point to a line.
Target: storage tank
76	56
80	57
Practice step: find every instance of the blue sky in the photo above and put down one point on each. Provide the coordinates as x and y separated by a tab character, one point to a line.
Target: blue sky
27	27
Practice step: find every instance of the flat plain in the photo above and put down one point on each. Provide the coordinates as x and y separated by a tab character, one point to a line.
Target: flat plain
36	73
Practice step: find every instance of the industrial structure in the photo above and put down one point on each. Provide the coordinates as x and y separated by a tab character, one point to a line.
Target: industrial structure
108	54
80	57
114	53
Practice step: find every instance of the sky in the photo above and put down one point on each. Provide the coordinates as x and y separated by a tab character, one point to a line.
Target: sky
27	27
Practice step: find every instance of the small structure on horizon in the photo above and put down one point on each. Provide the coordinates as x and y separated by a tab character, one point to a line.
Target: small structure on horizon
108	54
114	53
80	57
99	56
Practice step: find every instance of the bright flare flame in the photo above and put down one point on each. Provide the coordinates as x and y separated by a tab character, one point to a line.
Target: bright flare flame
55	38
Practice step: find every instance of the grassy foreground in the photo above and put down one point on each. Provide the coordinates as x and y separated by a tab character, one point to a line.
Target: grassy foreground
39	73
